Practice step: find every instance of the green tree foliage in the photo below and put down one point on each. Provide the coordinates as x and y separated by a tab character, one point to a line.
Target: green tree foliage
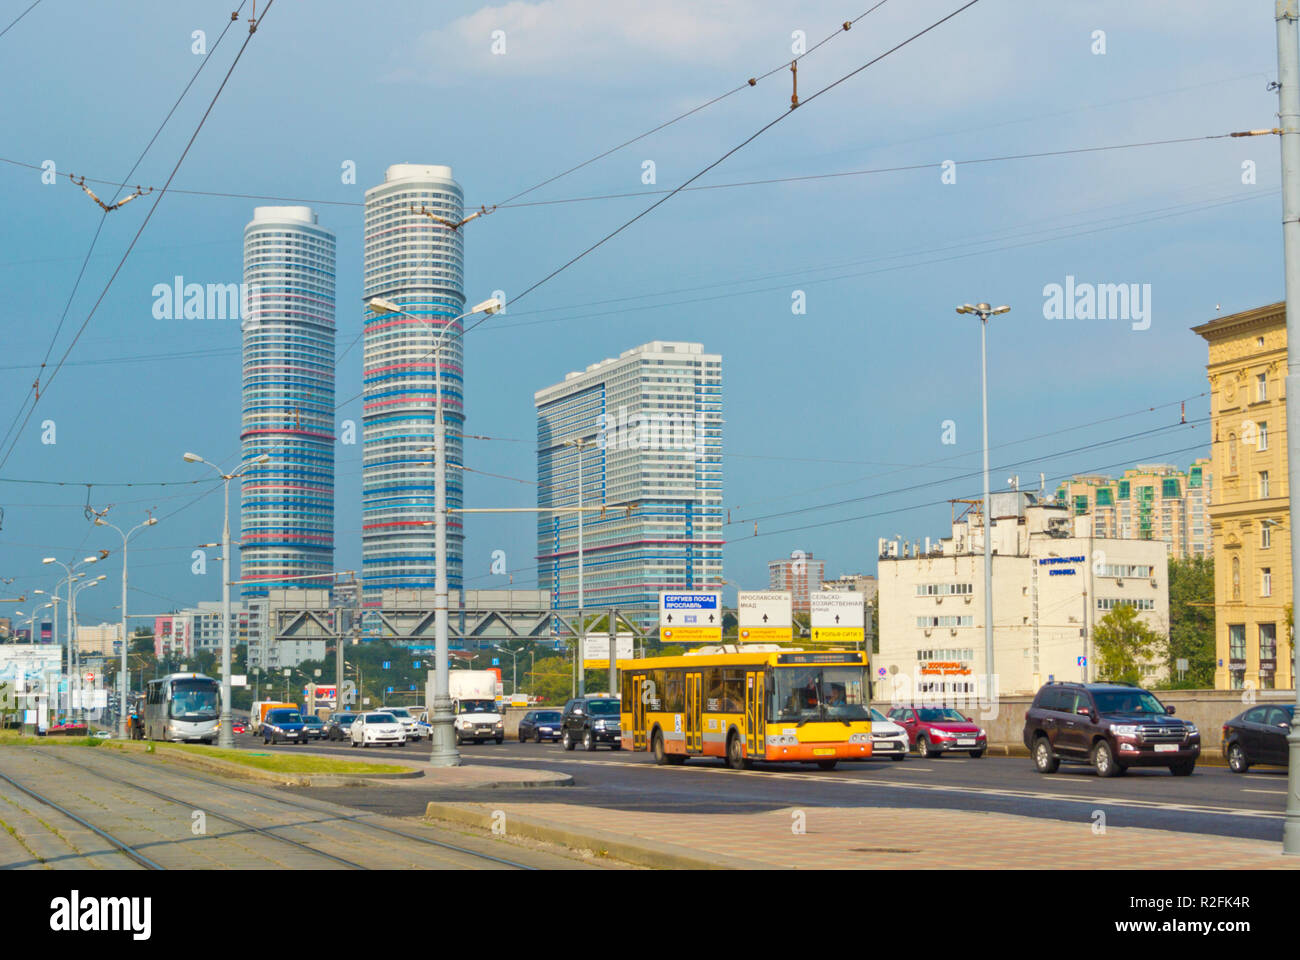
1123	643
1191	622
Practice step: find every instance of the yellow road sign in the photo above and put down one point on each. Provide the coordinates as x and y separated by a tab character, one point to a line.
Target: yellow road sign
838	634
691	634
765	634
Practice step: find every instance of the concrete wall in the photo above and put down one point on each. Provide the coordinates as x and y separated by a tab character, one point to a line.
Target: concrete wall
1208	709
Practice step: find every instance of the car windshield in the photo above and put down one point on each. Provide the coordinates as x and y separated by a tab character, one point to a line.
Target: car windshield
819	693
604	708
284	716
1127	701
940	715
478	706
343	718
195	699
381	718
877	716
547	717
400	712
311	718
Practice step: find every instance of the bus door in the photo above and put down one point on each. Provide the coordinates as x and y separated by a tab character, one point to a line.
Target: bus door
694	722
755	716
638	711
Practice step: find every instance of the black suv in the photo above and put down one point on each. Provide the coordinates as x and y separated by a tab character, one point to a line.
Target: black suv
591	721
1113	726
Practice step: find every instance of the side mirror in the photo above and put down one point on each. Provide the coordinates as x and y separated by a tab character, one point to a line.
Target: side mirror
1171	709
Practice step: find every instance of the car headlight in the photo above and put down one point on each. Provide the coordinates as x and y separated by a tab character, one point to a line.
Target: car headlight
1124	729
501	723
1191	729
982	733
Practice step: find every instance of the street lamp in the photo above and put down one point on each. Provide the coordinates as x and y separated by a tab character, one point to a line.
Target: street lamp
72	635
69	567
441	734
122	685
984	311
580	444
225	734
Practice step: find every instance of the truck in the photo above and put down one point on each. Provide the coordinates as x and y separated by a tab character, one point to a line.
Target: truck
258	713
474	705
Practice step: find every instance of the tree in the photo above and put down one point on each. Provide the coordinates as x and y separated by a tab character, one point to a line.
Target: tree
1125	644
1191	622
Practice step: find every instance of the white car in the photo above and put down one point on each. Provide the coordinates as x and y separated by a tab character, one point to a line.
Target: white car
369	729
888	739
410	726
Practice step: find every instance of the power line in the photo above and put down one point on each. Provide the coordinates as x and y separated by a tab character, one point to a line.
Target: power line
19	17
252	29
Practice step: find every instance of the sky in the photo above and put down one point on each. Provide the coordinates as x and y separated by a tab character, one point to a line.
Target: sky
835	418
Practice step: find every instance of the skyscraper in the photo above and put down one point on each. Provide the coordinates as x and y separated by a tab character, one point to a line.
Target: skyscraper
416	262
287	504
648	427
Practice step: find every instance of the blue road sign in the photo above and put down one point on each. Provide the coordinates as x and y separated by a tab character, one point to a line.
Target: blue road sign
416	664
1082	661
388	664
390	689
496	661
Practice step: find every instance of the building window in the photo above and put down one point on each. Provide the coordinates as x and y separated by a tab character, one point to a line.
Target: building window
1263	484
1266	535
1237	641
1261	387
1266	581
1236	578
1263	436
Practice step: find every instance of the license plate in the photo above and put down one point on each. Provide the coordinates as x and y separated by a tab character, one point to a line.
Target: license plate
824	752
1166	747
965	743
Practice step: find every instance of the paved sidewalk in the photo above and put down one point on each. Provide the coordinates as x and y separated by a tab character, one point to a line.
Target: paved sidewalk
868	838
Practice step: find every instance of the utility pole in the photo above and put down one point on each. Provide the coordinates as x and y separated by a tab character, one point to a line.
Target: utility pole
1288	78
613	651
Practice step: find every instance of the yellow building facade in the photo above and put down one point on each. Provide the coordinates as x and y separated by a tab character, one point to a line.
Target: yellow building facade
1249	517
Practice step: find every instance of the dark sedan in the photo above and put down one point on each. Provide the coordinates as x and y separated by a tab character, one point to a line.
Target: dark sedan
540	725
283	725
1258	736
340	726
313	726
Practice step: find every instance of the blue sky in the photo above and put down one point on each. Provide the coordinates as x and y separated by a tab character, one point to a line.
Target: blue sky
844	403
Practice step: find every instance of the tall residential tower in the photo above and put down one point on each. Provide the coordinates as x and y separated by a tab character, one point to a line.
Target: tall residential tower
417	262
287	504
648	427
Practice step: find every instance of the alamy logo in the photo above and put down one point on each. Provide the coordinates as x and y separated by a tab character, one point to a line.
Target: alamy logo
652	430
1098	301
202	301
72	914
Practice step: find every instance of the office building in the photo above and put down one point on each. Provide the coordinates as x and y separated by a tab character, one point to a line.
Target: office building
286	512
101	640
417	263
1250	519
1052	583
648	429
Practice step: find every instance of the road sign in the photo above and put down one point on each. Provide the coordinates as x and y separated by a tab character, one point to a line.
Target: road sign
90	678
595	650
1081	661
239	679
689	617
496	661
837	616
764	615
388	664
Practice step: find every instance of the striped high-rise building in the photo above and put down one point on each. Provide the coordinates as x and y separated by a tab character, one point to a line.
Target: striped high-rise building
648	427
287	504
417	263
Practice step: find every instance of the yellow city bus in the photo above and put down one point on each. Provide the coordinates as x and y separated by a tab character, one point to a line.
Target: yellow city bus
748	703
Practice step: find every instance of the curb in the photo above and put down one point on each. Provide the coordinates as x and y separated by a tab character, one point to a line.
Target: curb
241	771
646	853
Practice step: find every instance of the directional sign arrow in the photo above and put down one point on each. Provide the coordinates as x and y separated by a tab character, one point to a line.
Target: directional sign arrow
765	618
710	618
837	618
669	618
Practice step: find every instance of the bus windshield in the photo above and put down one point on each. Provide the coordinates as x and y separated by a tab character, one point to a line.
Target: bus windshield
195	699
816	693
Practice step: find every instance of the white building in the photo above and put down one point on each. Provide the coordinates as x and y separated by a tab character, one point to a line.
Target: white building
1052	583
101	640
648	429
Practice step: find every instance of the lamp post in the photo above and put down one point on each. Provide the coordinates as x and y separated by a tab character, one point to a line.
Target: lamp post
441	733
123	687
225	733
984	311
69	567
72	609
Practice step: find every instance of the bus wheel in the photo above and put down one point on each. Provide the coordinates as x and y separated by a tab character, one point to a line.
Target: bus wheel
661	755
827	764
735	756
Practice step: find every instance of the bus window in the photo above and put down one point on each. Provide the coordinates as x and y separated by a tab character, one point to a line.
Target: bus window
733	691
818	694
674	692
713	688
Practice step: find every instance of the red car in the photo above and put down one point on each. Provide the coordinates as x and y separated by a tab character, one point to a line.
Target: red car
934	731
238	726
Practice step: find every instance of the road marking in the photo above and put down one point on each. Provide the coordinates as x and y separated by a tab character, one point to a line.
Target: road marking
1280	793
933	787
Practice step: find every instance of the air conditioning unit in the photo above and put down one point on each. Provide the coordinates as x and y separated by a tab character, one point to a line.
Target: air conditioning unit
1119	582
953	631
968	598
938	599
1154	583
927	631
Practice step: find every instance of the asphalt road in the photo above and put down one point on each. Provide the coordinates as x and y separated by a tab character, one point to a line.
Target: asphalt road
1212	800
